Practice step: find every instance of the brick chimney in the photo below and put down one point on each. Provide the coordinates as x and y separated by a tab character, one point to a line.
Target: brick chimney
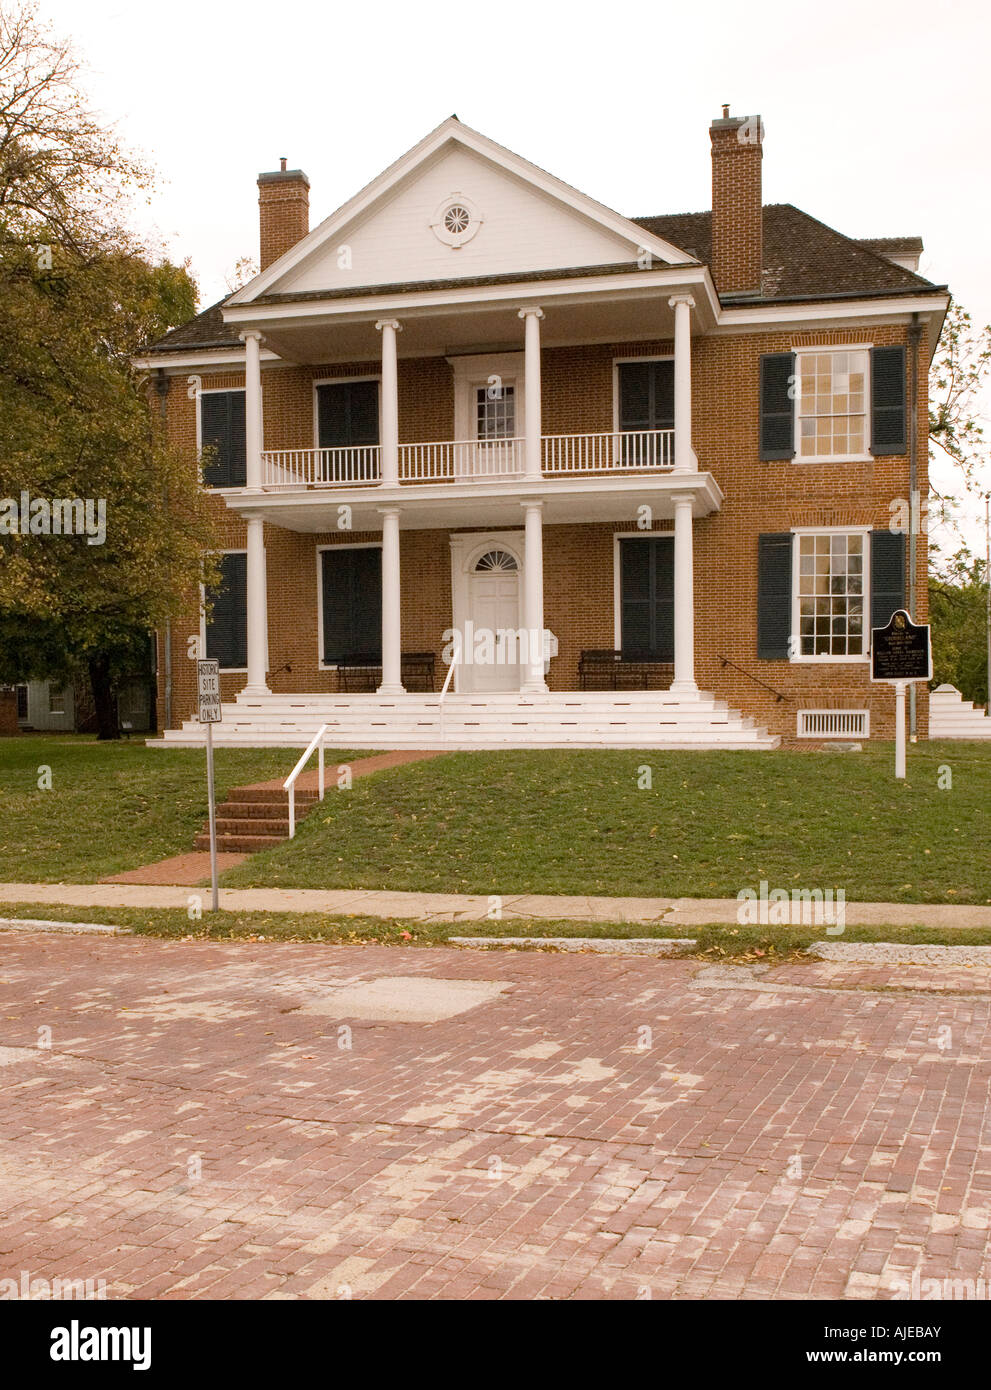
283	212
737	151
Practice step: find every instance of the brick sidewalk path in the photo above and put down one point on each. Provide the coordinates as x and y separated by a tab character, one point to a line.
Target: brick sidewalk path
600	1127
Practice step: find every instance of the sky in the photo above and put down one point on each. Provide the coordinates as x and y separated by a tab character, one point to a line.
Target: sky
875	111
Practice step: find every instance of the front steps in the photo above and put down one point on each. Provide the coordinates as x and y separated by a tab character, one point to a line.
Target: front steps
254	818
951	716
587	719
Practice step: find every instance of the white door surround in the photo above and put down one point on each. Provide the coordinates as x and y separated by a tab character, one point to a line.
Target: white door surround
489	599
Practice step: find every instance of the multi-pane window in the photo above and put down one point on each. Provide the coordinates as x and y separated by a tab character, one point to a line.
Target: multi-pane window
56	700
832	404
831	594
495	412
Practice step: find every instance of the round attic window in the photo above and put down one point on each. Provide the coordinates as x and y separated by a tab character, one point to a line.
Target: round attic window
456	221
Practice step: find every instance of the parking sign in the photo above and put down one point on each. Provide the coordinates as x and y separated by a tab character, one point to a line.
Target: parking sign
208	691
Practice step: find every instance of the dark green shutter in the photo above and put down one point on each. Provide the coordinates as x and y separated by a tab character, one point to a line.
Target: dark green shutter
348	414
646	395
774	598
777	405
647	599
887	575
888	421
227	626
222	429
352	603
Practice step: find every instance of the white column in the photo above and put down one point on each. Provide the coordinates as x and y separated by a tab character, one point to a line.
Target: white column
390	401
684	457
253	433
532	410
257	608
533	597
684	596
392	674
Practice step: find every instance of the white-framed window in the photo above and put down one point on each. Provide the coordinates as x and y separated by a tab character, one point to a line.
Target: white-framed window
495	413
56	700
830	570
832	419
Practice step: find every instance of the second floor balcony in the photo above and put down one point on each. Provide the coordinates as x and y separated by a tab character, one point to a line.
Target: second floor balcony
615	452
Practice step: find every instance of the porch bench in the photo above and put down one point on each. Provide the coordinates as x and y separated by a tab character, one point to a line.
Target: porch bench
610	670
362	673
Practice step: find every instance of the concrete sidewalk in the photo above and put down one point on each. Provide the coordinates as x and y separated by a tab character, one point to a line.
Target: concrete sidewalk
465	907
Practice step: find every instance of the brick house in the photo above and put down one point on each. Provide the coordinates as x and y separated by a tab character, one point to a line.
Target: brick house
595	480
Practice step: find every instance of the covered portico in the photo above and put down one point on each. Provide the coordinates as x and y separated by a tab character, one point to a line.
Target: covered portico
631	477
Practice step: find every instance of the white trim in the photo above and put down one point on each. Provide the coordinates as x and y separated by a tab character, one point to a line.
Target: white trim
617	362
207	357
473	370
831	348
617	583
338	381
344	545
736	320
804	716
579	290
228	670
453	131
828	659
467	548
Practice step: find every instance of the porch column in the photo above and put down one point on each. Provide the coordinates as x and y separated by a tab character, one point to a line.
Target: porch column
253	434
684	456
684	596
257	604
533	595
531	318
390	401
392	671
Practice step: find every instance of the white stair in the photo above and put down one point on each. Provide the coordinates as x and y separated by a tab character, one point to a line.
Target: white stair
951	716
593	719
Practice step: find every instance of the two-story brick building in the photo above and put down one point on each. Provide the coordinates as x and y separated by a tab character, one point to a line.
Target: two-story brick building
498	465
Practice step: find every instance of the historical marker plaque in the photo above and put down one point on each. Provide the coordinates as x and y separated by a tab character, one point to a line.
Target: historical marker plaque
902	651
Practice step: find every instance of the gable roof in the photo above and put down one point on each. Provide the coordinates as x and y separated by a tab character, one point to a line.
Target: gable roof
577	215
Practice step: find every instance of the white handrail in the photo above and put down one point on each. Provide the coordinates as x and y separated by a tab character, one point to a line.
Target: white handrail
289	784
443	694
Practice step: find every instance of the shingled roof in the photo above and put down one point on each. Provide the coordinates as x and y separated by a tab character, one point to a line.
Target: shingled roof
803	260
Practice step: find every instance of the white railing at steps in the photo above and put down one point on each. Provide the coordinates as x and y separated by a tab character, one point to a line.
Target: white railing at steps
455	661
617	452
289	784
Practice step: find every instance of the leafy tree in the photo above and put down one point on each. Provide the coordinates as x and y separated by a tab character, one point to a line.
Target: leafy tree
958	613
78	298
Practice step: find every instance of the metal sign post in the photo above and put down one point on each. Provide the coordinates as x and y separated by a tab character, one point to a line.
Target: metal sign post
900	654
210	713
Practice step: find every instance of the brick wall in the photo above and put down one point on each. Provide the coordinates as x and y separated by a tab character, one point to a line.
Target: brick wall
579	594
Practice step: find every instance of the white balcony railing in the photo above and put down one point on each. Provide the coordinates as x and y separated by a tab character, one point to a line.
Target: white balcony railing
458	461
620	451
322	467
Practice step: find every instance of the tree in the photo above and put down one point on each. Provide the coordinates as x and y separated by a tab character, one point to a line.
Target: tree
78	298
958	613
958	380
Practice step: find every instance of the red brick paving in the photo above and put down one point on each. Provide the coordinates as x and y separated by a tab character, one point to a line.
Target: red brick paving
815	1141
182	869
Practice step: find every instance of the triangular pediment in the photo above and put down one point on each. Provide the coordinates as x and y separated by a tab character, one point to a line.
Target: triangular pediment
457	206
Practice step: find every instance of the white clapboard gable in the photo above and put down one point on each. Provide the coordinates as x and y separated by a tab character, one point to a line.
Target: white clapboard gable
520	219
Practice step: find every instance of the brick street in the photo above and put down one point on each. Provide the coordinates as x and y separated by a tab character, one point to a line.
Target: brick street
257	1121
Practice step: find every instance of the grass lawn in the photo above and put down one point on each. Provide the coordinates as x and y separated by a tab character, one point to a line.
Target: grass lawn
714	942
111	806
556	821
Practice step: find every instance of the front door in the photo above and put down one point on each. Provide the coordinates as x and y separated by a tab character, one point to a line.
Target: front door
494	611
